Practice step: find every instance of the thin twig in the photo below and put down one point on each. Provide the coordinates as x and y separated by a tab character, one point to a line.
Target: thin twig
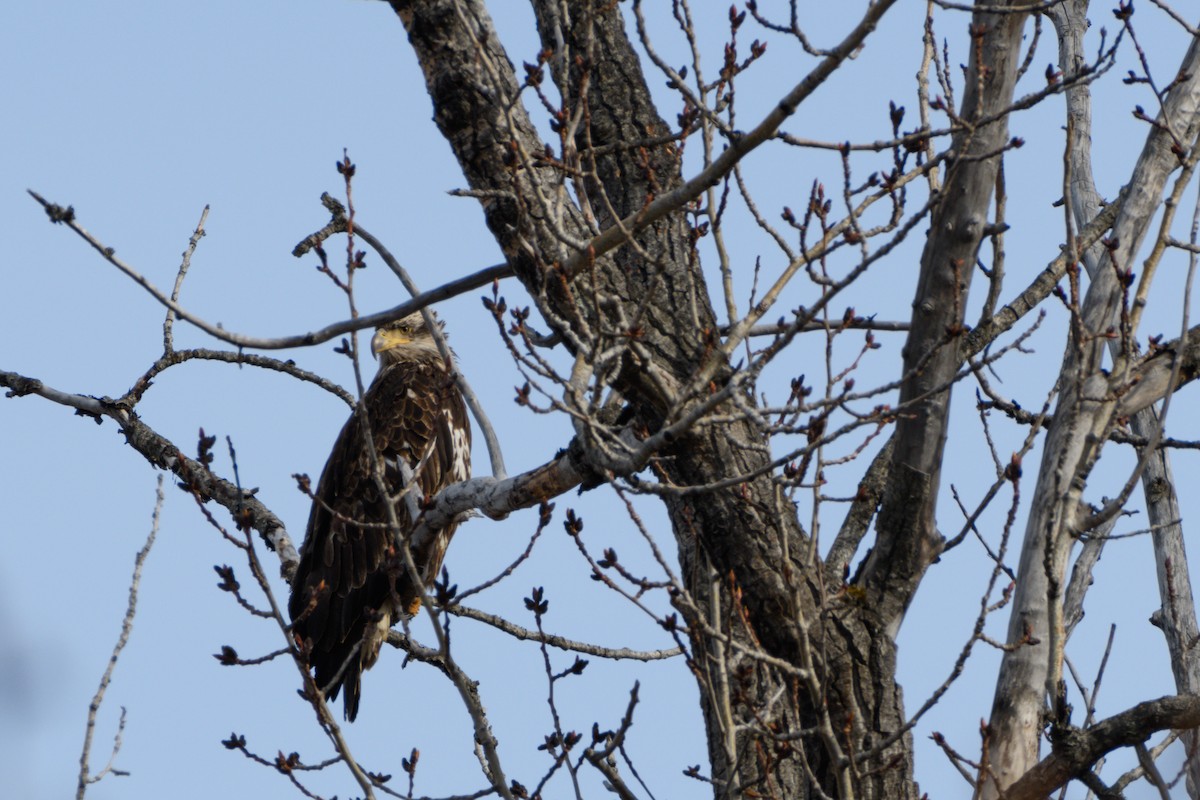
561	642
169	322
126	628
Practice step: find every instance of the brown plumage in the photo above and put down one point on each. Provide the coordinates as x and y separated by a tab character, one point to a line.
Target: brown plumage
351	584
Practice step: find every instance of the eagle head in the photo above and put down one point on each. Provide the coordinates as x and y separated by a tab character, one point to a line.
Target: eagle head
403	339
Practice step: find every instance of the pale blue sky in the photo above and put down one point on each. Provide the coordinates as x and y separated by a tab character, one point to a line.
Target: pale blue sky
140	113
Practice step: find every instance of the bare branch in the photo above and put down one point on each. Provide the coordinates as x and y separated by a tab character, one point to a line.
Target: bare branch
451	289
162	453
561	642
169	322
1075	749
139	561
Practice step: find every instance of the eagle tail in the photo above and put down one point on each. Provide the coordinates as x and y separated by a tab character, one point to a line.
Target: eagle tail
352	683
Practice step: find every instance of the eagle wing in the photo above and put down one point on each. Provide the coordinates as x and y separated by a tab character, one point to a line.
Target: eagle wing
351	581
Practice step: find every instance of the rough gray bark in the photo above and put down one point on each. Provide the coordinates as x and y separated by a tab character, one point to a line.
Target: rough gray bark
746	542
748	532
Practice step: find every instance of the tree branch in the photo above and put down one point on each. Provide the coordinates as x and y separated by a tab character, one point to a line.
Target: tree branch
162	453
483	277
139	561
1076	750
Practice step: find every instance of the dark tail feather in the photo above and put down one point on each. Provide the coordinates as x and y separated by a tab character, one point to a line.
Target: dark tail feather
326	668
351	684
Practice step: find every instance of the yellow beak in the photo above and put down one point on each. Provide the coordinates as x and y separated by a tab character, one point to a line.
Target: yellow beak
386	340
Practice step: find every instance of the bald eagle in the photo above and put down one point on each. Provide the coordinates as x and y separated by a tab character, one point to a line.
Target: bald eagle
352	584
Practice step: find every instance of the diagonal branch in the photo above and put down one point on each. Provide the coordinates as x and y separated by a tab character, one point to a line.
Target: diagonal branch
738	149
492	496
475	280
162	453
1076	750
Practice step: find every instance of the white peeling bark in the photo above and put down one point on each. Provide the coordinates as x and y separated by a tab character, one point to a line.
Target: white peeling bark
1031	672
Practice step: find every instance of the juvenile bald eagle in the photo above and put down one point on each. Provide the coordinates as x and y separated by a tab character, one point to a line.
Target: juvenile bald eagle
352	584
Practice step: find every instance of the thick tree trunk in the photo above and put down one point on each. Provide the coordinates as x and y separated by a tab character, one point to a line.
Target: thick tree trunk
742	546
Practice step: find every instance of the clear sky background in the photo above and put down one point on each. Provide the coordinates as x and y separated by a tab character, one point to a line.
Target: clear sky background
139	114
